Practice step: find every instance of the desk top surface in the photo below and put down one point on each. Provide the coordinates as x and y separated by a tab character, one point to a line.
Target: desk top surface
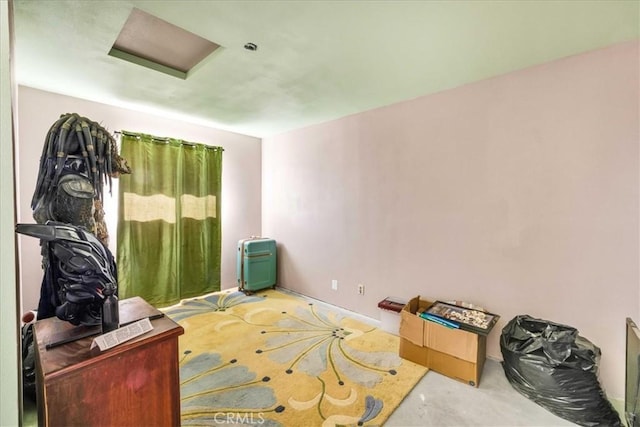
77	353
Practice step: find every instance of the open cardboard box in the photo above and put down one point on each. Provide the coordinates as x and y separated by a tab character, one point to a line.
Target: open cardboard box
452	352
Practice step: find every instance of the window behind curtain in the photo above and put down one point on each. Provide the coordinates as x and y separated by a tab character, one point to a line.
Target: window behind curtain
169	236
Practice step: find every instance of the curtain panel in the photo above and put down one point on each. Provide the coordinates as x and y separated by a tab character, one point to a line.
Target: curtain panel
169	228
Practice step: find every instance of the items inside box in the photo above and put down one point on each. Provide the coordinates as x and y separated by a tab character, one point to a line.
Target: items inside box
459	317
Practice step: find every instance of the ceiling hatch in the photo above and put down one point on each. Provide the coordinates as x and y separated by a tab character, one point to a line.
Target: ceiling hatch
157	44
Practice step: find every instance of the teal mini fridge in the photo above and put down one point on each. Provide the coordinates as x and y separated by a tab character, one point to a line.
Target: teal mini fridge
256	264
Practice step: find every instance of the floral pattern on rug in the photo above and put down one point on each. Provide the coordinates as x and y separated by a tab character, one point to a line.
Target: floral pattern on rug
276	359
215	302
315	342
312	341
212	390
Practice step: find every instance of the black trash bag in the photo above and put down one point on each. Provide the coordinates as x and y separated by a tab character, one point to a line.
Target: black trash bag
28	363
552	365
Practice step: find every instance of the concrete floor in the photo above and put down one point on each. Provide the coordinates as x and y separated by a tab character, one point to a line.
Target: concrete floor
440	401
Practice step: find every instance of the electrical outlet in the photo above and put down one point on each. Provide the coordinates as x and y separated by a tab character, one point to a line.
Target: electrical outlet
334	284
360	289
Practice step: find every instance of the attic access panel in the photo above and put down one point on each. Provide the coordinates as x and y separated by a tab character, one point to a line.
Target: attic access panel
157	44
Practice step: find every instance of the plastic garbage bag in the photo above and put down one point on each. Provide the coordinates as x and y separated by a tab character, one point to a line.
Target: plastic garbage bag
555	367
28	363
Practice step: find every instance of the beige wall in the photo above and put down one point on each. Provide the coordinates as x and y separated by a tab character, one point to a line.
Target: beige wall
517	193
241	175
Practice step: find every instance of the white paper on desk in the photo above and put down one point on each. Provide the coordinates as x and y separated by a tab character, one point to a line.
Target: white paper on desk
120	335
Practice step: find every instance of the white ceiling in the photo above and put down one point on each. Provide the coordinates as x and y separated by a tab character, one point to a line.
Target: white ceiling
316	60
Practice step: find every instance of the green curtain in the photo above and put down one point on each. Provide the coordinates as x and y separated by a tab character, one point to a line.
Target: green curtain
169	234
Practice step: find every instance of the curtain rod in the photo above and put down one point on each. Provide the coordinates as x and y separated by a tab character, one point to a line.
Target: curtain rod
167	139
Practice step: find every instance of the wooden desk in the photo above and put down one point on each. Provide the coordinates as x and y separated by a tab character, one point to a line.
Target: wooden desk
134	384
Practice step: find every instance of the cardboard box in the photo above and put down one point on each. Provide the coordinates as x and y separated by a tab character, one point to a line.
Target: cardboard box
452	352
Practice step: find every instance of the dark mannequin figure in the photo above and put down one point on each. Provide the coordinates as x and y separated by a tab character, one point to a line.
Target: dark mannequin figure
79	156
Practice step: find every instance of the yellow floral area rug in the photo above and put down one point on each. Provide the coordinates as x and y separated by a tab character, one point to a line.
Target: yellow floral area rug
277	359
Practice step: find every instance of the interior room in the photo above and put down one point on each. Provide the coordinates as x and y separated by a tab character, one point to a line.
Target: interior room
476	151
